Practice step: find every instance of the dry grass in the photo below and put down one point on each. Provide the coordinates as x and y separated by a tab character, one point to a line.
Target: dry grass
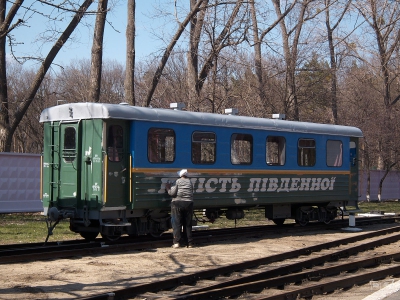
31	227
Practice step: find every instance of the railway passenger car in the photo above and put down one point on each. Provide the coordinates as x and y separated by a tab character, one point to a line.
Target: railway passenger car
105	167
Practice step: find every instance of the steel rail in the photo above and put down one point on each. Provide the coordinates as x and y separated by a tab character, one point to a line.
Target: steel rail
125	239
333	285
361	221
294	293
278	277
30	252
190	279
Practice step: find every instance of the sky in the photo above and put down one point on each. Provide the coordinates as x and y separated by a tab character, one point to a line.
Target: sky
146	42
150	32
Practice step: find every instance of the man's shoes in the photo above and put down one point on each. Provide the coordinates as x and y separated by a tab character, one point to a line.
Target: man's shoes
190	246
175	246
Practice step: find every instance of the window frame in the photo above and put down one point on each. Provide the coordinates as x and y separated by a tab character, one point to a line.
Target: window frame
69	153
248	138
198	143
340	154
115	149
300	154
281	150
161	157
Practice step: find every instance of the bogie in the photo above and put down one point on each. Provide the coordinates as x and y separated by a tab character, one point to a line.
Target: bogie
325	214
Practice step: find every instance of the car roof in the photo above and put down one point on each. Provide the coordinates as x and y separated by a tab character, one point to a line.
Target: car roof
90	110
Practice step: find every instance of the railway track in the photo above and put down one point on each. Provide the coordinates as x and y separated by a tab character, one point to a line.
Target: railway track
301	273
38	251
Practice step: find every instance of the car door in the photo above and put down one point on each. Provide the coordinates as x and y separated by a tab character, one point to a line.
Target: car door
117	166
69	165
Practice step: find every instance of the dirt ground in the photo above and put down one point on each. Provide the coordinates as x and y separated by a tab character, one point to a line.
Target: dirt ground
82	276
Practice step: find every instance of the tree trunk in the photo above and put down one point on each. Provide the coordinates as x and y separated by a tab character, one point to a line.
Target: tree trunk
333	69
383	179
129	84
257	40
218	45
5	22
97	52
4	119
168	51
257	54
196	25
383	19
333	62
368	185
290	50
5	146
367	167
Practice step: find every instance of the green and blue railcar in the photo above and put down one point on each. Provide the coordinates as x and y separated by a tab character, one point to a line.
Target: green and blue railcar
105	167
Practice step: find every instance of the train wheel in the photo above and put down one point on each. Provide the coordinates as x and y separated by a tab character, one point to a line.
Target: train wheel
303	215
332	214
279	222
89	236
111	238
302	222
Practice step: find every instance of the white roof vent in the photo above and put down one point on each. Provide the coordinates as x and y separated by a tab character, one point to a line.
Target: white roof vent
177	106
124	103
231	111
61	101
279	116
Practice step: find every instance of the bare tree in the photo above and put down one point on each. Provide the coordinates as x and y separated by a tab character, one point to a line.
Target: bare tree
363	107
112	82
5	28
7	126
97	52
257	41
129	84
226	38
168	51
72	81
332	55
71	84
196	26
29	134
384	18
313	89
290	43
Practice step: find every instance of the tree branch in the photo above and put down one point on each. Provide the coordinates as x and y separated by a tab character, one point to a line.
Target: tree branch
21	110
168	51
5	26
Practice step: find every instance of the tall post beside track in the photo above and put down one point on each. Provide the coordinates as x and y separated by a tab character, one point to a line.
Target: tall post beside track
352	219
352	223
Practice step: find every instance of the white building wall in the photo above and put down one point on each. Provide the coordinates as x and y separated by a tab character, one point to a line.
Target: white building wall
20	183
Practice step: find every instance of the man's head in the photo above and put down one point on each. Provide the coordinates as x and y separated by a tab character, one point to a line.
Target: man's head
183	173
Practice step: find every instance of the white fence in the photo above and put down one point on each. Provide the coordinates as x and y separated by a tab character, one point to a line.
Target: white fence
20	183
390	187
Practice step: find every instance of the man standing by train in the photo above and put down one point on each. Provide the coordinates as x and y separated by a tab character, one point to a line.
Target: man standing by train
181	207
